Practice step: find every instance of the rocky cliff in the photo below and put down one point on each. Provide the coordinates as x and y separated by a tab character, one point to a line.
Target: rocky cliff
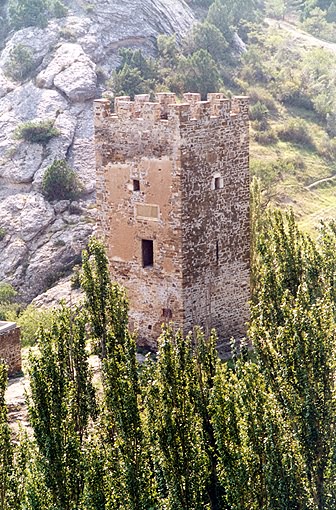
39	239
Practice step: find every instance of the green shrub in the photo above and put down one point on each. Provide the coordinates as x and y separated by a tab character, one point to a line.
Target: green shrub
58	9
296	132
327	148
265	137
75	278
3	233
7	293
30	321
20	64
258	94
36	132
258	111
60	182
27	13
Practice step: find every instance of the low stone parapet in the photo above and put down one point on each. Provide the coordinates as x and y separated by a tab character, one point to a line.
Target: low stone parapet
10	346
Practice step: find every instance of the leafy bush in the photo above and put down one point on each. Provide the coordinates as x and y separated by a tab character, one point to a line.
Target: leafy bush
265	137
58	9
36	132
327	148
3	232
258	94
30	321
60	182
135	74
26	13
8	308
258	111
7	293
296	132
20	64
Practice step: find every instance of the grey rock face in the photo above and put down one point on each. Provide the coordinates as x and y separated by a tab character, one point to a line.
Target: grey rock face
45	239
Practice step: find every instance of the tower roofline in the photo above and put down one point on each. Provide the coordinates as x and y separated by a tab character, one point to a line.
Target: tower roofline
166	108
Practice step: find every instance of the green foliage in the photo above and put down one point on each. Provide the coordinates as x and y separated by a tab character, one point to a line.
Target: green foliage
293	330
36	132
20	64
8	500
58	9
3	233
61	403
25	13
175	425
7	293
131	483
258	111
30	321
135	74
296	132
197	72
60	182
208	37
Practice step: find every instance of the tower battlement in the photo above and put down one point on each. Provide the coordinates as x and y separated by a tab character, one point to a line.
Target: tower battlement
165	108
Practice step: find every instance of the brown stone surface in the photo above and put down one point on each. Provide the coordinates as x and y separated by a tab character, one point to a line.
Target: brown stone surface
192	163
10	346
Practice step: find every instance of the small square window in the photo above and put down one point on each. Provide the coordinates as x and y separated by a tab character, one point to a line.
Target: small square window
217	182
147	253
136	185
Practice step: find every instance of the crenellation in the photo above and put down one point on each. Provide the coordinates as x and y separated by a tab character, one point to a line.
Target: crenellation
151	112
167	108
240	105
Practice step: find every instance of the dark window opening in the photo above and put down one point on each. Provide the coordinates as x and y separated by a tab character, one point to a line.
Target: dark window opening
164	116
167	313
217	182
149	326
147	253
217	252
136	185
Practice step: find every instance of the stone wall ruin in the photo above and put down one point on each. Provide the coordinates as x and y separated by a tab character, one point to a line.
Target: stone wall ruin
173	202
10	346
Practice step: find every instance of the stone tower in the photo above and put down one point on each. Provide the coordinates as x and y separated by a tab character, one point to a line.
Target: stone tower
173	202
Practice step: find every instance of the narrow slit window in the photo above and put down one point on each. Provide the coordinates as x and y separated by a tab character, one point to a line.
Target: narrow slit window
217	252
136	185
147	253
217	182
167	313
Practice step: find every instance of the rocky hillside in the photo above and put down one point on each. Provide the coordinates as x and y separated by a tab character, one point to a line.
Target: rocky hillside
40	239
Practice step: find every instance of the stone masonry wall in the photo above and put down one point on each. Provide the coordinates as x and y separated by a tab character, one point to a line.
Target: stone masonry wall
144	148
216	218
190	162
10	346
